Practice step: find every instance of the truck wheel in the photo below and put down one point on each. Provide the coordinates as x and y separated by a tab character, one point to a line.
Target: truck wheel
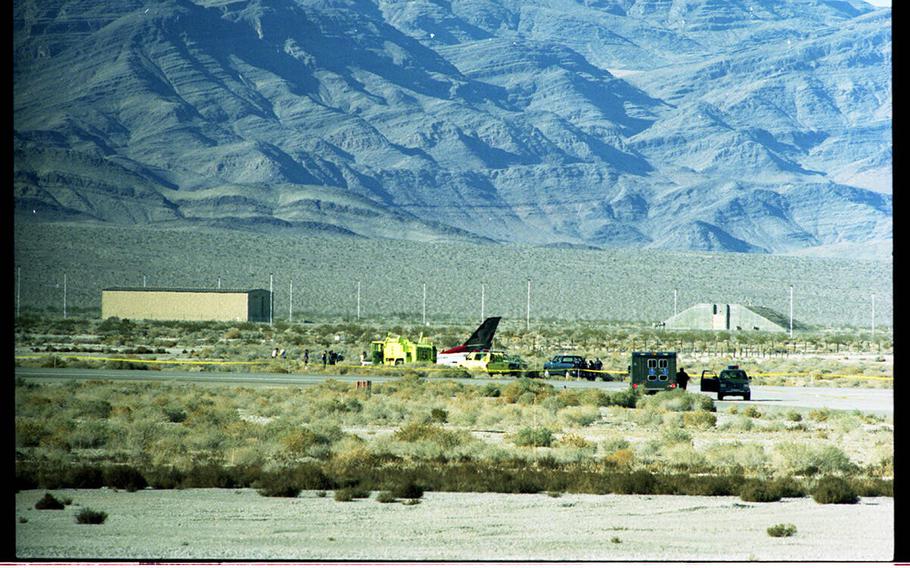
720	396
747	396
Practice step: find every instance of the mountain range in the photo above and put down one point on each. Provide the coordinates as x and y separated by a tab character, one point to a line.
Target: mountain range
703	125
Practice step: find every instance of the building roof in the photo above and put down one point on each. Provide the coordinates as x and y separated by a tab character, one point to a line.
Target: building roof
191	290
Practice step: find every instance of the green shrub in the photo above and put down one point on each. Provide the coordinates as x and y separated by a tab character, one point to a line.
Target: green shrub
526	391
627	398
700	419
49	502
344	494
835	490
789	487
638	482
350	493
782	530
533	437
407	490
752	412
676	400
90	517
758	491
385	497
277	484
794	416
819	414
490	390
124	477
439	415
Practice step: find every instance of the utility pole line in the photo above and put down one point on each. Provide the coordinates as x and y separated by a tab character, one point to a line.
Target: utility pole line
424	303
791	311
64	295
873	317
529	306
358	299
675	311
143	281
18	287
291	303
219	283
271	298
482	298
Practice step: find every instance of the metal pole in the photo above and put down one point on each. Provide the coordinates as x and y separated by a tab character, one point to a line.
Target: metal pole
674	302
873	317
529	306
424	303
791	311
18	287
271	298
291	303
482	298
219	283
358	299
143	280
64	295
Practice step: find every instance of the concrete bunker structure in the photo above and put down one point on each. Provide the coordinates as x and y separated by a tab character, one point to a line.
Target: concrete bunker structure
730	317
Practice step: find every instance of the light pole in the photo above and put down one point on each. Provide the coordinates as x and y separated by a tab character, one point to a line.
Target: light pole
791	311
529	306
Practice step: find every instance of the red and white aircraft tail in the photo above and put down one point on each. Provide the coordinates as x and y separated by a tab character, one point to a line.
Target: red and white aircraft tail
480	340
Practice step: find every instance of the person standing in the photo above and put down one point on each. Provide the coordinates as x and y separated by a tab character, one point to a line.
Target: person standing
306	358
682	378
325	358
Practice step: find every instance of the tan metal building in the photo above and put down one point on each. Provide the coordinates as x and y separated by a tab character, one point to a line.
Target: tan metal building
187	304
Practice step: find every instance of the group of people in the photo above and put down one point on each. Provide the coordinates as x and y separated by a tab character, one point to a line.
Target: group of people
328	358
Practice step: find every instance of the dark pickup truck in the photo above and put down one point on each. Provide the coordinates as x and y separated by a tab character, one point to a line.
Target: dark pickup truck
732	381
568	366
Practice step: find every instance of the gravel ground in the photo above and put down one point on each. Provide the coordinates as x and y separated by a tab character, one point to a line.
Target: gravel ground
240	524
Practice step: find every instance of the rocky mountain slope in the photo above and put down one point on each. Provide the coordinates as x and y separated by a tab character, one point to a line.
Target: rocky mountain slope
748	126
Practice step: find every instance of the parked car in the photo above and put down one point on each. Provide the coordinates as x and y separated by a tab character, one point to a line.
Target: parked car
568	366
732	381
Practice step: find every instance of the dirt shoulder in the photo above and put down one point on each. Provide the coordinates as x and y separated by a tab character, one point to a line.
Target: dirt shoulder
241	524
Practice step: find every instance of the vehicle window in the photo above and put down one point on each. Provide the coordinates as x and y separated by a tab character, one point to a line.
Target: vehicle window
662	363
652	363
568	360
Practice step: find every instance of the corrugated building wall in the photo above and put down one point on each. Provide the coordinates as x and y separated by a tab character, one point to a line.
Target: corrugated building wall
185	304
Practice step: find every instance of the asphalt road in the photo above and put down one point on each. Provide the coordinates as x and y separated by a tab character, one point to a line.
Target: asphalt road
877	401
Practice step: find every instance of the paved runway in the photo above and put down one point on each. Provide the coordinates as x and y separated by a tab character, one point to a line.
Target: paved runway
877	401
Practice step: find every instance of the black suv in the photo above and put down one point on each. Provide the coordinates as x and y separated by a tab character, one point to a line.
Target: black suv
733	381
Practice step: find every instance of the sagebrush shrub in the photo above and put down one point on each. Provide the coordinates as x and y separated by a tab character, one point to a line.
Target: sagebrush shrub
49	502
408	490
533	437
758	491
834	490
782	530
90	517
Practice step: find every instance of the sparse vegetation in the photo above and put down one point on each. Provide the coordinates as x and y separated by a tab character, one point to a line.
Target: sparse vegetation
49	502
782	530
88	516
834	490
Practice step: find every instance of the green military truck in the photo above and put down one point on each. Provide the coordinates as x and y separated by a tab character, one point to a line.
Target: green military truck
653	371
732	381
